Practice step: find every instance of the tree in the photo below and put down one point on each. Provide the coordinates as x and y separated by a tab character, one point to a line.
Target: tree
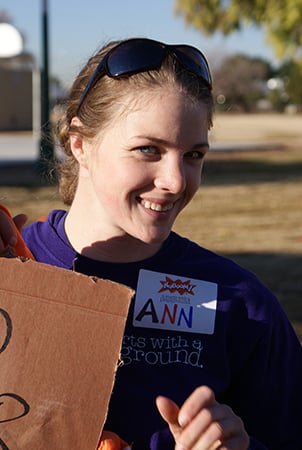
240	81
290	73
281	20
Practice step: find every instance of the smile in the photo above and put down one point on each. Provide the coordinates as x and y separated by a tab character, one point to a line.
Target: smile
156	206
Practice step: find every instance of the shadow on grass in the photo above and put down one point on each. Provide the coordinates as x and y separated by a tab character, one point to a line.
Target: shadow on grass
282	274
238	171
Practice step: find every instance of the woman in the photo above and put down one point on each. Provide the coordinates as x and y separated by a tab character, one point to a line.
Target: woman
204	339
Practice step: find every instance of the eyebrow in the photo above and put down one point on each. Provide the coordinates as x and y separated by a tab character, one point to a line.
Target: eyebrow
164	142
201	145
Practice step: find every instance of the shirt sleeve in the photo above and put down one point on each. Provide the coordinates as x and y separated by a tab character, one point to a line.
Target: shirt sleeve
266	391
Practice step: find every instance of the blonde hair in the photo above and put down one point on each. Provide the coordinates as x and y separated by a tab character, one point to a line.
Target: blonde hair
100	106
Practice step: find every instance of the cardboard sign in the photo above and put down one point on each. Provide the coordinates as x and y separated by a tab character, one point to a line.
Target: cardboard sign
60	340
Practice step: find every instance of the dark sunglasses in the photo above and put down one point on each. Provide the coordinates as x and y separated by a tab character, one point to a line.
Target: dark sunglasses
140	55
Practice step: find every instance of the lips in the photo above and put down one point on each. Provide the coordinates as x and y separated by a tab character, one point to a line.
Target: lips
154	206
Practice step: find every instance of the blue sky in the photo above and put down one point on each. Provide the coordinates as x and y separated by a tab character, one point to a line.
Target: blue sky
78	27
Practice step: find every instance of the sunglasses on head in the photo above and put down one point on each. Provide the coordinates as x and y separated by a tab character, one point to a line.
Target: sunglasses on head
141	55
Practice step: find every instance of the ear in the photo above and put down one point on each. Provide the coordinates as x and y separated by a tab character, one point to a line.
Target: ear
77	143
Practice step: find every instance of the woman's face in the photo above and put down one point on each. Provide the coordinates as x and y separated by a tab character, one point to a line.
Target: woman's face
146	166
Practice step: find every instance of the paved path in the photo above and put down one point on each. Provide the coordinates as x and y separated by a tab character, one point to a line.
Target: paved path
19	147
22	146
19	157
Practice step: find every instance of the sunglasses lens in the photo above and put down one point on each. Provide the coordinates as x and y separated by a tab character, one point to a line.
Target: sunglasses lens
133	56
194	61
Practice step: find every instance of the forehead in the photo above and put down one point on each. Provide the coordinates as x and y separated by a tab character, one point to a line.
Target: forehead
160	98
167	114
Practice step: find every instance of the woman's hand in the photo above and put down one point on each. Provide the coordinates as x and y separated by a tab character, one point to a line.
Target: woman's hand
9	227
202	423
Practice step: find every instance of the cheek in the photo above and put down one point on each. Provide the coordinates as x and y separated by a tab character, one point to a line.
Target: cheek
115	182
193	181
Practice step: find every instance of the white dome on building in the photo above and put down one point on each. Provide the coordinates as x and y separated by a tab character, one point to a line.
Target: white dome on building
11	41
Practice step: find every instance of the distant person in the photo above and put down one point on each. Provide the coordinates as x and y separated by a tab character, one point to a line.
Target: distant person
210	359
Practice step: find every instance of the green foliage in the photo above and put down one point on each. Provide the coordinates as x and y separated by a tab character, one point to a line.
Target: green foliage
281	19
290	72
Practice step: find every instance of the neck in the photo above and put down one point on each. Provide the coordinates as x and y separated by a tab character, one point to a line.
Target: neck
89	236
119	250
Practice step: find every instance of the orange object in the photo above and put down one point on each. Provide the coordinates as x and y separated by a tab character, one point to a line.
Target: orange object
20	249
111	441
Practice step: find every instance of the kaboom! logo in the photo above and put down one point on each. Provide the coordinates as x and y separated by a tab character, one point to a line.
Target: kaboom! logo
182	287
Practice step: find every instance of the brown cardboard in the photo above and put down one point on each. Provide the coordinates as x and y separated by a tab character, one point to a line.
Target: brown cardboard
60	339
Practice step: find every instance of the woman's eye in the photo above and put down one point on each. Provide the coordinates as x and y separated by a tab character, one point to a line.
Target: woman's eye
148	150
195	154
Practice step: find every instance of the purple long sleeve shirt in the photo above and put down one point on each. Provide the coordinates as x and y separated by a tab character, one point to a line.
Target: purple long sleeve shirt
197	319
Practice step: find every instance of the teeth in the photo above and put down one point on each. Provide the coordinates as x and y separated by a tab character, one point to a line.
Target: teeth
155	206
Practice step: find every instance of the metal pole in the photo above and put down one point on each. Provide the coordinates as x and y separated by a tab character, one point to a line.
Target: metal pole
46	154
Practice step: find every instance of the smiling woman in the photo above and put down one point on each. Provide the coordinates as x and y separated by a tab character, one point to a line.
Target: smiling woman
135	135
155	169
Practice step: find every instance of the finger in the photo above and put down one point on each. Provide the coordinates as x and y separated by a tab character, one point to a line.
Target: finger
202	397
20	221
6	251
224	431
7	230
217	446
169	412
236	443
196	435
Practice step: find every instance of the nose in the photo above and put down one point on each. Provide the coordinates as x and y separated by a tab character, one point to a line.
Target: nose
171	175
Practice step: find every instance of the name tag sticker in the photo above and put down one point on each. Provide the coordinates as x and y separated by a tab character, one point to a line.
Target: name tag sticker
172	302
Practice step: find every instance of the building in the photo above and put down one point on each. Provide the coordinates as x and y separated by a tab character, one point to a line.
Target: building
18	85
